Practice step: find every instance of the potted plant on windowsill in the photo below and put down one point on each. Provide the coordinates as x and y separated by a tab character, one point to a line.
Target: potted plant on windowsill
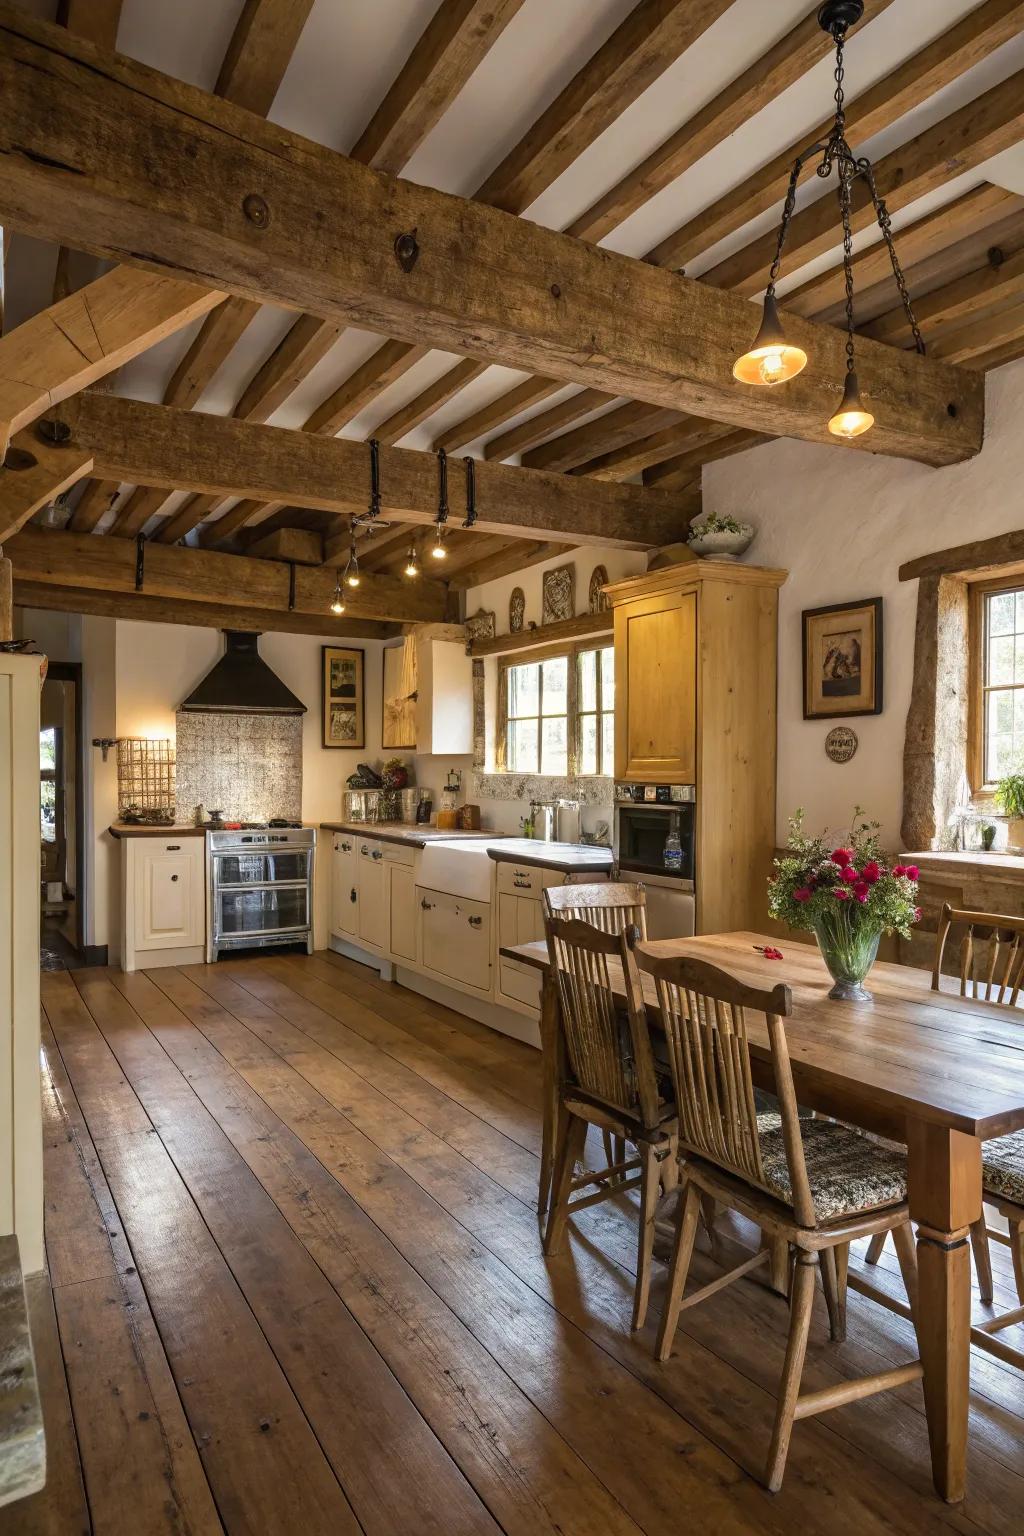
847	897
1009	799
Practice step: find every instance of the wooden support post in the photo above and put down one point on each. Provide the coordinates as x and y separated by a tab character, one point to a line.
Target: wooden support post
6	598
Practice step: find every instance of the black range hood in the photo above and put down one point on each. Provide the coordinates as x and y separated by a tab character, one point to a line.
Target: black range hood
242	684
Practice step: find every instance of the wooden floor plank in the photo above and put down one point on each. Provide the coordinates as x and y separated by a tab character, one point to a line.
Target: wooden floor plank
264	1465
139	1462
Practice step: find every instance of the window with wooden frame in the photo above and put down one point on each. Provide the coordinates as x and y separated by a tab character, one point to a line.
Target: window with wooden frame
556	711
996	702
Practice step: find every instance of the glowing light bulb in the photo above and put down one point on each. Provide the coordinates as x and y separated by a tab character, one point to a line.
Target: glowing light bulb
411	563
352	579
438	551
852	417
772	367
337	606
772	359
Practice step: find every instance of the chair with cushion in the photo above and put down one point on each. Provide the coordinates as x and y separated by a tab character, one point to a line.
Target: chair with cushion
613	908
605	1077
815	1184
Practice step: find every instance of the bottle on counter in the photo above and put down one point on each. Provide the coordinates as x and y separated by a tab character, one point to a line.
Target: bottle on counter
672	854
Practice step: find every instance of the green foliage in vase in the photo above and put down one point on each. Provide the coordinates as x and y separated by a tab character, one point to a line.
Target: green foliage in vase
1010	794
817	885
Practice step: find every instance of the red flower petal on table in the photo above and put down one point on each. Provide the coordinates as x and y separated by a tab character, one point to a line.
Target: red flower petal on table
841	893
850	874
802	894
842	857
861	890
871	871
771	953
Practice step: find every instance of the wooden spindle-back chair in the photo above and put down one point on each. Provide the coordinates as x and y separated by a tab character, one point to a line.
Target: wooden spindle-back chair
990	955
607	1079
613	907
817	1195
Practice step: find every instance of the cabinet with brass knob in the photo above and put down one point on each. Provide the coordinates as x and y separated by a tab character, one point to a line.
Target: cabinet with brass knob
163	900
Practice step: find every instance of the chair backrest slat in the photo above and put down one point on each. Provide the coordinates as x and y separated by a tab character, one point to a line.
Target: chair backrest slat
991	954
704	1016
612	906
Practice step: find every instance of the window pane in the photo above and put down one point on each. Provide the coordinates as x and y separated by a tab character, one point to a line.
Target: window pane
588	744
554	756
1018	659
1019	619
1000	660
608	744
522	746
1000	712
48	807
556	685
588	679
607	676
1001	613
523	689
48	747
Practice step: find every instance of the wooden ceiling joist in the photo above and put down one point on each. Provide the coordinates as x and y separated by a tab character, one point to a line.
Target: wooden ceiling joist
682	472
78	560
632	458
429	400
211	346
964	343
998	282
90	333
544	425
623	425
153	158
214	455
36	471
519	398
96	500
370	548
912	82
508	563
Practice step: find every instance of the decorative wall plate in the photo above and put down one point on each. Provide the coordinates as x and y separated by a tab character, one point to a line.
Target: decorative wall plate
480	626
597	601
840	744
516	610
559	589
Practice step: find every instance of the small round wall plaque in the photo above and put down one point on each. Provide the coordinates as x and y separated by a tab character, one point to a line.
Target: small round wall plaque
840	744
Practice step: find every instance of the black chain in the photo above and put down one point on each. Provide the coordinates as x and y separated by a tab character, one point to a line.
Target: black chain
885	225
374	478
846	174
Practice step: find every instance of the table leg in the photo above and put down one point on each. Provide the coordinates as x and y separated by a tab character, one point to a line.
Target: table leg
945	1197
549	1036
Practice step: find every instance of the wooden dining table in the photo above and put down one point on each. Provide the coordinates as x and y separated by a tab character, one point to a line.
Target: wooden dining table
937	1071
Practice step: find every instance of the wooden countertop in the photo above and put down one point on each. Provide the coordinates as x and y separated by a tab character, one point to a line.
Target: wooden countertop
130	829
408	833
571	858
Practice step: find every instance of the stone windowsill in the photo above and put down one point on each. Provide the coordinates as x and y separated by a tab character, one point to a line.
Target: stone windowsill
994	866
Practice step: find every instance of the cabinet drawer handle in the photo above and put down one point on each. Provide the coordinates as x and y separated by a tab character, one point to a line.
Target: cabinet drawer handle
172	848
376	854
346	847
428	906
474	922
364	850
174	877
352	894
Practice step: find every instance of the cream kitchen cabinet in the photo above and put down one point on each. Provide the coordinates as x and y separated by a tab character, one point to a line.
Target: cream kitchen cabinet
520	920
372	921
455	938
344	886
400	889
163	901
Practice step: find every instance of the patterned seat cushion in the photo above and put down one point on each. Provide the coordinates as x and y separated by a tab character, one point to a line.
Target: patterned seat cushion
846	1172
1002	1166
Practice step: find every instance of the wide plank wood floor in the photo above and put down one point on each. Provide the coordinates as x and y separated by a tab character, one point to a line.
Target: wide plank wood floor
296	1286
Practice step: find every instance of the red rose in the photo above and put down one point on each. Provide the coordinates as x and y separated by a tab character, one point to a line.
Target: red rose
803	894
841	893
849	874
861	890
871	871
917	914
899	869
842	857
911	871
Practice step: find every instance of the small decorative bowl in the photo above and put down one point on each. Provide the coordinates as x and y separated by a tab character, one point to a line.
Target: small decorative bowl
721	545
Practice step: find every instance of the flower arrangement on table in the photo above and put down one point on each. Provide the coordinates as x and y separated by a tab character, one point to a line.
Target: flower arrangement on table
847	897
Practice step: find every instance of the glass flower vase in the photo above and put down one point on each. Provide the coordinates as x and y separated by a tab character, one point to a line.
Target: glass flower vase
849	947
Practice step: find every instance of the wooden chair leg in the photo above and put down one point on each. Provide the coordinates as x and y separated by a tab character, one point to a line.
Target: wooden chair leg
550	1100
830	1285
906	1252
682	1252
875	1247
708	1212
800	1305
778	1264
572	1133
669	1167
982	1259
842	1253
608	1144
649	1190
1017	1254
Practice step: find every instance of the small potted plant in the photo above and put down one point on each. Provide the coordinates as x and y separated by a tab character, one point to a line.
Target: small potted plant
846	896
1010	801
719	538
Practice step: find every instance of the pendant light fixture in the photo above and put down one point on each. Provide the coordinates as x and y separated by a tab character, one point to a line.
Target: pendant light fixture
337	602
352	577
772	359
412	565
438	549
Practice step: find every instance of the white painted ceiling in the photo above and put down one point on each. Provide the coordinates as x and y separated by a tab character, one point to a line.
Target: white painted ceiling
350	52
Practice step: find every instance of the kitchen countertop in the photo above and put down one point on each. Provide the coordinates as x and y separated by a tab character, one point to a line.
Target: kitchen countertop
131	829
571	858
411	835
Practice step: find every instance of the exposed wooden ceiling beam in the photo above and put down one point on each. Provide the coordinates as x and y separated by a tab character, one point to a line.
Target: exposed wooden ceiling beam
476	549
518	558
36	471
980	129
623	425
212	344
963	343
908	85
455	42
370	547
95	19
301	545
519	398
632	458
96	499
995	283
682	472
188	516
79	560
429	400
152	445
536	428
72	344
182	610
792	56
380	370
669	341
1003	352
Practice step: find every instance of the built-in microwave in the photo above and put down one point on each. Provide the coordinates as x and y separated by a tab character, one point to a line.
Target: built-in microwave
645	816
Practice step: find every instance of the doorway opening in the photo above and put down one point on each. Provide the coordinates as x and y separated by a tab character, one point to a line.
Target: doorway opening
61	825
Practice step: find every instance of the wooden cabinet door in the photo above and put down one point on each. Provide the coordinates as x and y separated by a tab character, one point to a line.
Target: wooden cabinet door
373	910
402	899
169	894
656	689
344	888
456	938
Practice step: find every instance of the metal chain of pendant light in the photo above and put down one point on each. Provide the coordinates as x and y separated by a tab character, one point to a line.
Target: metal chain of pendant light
772	359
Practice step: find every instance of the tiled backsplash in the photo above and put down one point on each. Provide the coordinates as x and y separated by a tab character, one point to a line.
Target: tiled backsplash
248	766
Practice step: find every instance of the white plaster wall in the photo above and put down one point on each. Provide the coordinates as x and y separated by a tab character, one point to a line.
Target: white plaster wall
842	522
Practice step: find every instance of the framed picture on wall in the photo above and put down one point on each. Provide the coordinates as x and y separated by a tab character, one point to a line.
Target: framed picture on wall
344	713
842	648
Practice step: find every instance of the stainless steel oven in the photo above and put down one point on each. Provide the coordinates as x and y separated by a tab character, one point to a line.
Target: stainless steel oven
645	817
260	888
